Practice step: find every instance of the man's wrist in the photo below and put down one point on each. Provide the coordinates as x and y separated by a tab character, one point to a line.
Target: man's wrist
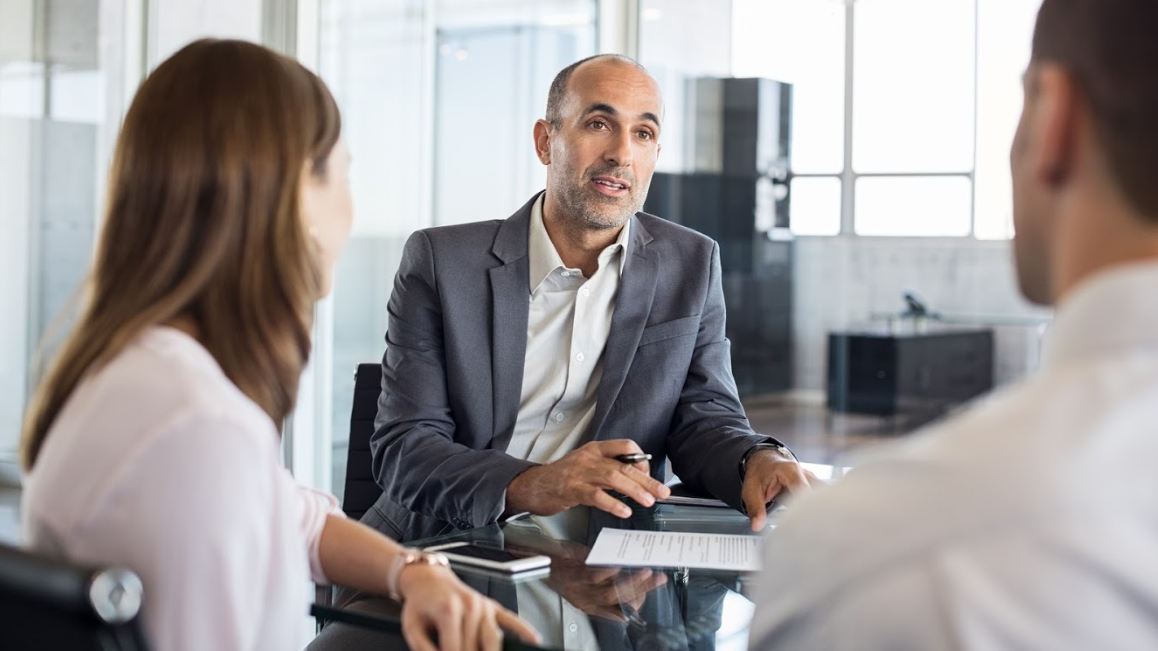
770	444
513	504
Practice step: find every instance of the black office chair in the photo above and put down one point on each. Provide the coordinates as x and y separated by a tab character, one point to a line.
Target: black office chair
50	604
361	489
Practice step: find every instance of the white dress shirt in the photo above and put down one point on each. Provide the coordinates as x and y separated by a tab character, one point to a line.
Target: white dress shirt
568	323
158	463
1029	522
567	327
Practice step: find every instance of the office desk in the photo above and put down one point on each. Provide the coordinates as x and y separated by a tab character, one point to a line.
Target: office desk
577	607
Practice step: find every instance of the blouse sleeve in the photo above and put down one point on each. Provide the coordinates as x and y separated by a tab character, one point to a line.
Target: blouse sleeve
314	507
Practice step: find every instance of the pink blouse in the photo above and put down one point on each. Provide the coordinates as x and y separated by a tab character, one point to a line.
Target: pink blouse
160	464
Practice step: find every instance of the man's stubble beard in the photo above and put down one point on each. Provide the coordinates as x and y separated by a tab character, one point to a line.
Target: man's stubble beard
581	205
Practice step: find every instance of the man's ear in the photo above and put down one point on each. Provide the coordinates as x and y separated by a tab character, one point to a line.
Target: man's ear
1055	123
543	131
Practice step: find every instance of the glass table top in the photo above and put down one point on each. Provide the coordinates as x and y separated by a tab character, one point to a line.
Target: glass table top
576	606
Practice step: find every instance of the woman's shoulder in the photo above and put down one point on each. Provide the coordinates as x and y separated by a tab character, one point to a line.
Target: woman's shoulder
160	415
163	383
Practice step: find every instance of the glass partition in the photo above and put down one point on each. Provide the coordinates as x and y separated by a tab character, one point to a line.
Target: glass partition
438	101
58	62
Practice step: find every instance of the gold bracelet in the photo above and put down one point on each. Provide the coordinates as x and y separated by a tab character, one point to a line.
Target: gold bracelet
404	558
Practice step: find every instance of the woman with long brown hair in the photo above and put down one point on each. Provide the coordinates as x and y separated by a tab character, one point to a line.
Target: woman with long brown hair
152	442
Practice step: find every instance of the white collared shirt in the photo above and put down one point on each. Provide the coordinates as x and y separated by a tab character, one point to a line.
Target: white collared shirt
567	328
1029	522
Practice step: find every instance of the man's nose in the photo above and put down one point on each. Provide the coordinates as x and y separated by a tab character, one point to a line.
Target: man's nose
619	150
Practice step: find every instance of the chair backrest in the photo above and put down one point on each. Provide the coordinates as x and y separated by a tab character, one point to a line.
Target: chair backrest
46	603
361	490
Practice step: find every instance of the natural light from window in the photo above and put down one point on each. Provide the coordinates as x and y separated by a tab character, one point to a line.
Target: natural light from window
913	81
918	206
1005	30
800	42
936	92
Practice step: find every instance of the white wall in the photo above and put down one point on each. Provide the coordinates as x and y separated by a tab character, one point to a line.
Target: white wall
840	281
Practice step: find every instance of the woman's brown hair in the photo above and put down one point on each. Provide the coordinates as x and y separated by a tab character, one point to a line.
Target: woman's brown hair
203	225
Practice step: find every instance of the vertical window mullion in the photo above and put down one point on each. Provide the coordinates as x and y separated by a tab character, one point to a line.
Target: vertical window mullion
848	176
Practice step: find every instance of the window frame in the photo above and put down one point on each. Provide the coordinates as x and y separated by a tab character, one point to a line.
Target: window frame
849	176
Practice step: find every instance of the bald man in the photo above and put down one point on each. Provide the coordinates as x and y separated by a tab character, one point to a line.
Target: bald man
525	357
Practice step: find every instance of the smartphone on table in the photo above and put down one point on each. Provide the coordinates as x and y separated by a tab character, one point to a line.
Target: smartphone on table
490	558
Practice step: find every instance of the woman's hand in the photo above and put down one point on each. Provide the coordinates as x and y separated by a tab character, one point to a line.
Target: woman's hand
436	602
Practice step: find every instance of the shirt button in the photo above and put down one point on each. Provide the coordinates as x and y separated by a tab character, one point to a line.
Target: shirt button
559	417
566	274
585	292
573	627
580	357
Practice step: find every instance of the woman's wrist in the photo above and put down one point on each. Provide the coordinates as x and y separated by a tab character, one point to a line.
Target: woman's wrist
400	570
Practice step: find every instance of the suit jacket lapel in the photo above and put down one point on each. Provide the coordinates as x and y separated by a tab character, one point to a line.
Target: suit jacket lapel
632	307
510	302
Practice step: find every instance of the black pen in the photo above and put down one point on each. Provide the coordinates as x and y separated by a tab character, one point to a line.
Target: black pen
633	458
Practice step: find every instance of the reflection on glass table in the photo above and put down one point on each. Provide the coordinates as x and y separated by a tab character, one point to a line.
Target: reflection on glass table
580	607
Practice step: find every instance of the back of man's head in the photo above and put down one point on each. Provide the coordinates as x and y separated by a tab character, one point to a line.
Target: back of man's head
1111	49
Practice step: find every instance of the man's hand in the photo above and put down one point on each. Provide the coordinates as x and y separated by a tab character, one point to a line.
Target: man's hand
768	473
583	477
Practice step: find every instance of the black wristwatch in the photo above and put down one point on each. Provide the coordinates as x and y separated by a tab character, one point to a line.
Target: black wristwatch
769	444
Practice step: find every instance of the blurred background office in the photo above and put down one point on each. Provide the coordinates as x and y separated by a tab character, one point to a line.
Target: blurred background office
871	161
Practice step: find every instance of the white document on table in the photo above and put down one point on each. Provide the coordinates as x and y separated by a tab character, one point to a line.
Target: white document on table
706	551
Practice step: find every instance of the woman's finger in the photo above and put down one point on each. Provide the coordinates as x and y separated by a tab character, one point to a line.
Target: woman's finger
416	631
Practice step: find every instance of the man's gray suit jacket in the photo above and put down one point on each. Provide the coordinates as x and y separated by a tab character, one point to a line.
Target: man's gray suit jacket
453	370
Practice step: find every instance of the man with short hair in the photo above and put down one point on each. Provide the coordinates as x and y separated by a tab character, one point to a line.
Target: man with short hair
1029	522
524	356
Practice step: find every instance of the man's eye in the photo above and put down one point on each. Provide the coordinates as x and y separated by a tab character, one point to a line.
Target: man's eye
645	135
598	124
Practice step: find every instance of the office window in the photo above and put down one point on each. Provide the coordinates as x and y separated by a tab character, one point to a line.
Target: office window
800	42
1004	33
935	91
913	81
922	206
61	67
815	207
20	103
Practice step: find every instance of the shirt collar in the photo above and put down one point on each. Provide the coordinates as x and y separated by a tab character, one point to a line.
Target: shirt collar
1109	312
544	258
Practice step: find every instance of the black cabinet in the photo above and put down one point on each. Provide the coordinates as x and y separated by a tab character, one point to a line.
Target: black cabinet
922	374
